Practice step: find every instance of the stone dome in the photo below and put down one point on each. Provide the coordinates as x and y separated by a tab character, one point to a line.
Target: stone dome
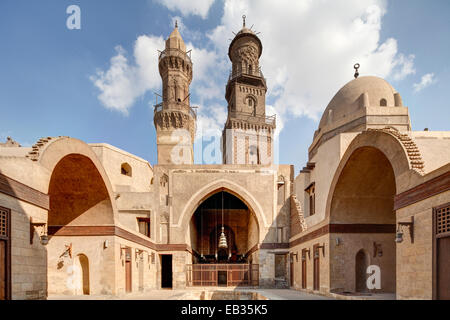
363	92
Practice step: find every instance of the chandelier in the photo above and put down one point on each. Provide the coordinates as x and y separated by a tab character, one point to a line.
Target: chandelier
223	239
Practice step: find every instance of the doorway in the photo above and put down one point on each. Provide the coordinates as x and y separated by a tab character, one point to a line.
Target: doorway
84	266
304	269
166	271
442	252
128	265
5	283
316	284
361	264
291	269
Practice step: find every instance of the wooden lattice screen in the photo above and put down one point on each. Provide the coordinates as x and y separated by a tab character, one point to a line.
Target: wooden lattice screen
3	223
443	220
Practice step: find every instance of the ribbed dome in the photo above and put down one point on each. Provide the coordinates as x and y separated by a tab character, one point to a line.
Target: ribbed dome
350	98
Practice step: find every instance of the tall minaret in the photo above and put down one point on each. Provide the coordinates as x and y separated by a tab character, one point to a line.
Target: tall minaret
174	118
247	137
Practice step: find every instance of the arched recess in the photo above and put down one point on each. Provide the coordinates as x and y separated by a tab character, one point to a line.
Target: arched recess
84	277
230	187
392	150
78	194
362	200
52	154
218	210
81	200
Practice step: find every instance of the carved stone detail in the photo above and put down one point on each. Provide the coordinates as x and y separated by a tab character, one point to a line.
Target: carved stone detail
297	213
413	152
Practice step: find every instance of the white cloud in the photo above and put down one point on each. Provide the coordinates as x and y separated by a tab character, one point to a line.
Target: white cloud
406	65
310	47
124	82
427	80
189	7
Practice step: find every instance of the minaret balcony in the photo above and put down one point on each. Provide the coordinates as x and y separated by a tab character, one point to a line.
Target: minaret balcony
252	118
173	52
247	73
176	106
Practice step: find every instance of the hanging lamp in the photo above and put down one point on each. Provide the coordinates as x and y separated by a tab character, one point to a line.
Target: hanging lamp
223	239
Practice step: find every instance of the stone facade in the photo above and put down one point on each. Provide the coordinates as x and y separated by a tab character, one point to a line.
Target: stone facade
104	221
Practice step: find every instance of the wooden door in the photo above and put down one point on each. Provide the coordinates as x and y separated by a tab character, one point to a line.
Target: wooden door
128	283
316	270
2	270
441	259
5	268
292	271
304	272
442	264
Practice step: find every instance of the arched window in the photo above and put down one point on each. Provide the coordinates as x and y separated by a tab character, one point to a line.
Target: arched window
383	103
252	105
125	169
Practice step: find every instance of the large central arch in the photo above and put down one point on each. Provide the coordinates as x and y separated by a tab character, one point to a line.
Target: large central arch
223	209
232	188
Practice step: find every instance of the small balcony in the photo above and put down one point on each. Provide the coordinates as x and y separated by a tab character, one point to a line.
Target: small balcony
175	53
179	106
252	118
247	72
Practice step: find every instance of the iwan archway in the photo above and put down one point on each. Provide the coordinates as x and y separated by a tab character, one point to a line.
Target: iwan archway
363	216
224	236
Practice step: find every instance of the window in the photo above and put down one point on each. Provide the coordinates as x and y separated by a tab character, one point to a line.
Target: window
4	223
311	191
144	226
280	234
383	102
443	220
125	169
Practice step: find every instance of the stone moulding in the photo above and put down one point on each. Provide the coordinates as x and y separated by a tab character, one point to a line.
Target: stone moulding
297	212
39	146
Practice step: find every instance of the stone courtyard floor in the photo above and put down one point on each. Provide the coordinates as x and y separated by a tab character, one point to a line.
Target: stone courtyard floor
193	294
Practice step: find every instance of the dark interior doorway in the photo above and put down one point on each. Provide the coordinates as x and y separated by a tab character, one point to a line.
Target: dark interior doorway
166	271
222	278
361	264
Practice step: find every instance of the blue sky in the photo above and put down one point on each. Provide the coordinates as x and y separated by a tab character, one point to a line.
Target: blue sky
60	82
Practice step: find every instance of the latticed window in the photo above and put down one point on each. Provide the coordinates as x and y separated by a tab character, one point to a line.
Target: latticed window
4	223
443	220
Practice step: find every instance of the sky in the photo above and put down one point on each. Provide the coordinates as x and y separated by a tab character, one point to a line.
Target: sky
98	83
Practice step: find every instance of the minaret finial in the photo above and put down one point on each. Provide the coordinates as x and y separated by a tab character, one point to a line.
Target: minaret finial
176	23
243	20
356	67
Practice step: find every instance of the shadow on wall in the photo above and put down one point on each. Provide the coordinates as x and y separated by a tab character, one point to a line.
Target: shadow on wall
23	251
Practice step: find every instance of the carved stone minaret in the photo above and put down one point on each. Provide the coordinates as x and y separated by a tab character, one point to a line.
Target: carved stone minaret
247	137
174	118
